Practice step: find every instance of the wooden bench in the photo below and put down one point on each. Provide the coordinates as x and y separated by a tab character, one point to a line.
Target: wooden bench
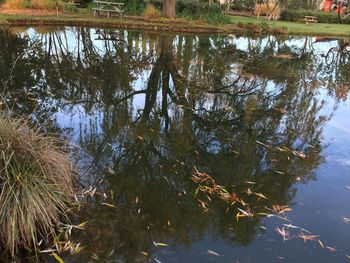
308	20
108	7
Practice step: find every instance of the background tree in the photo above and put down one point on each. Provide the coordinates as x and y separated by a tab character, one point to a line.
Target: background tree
169	8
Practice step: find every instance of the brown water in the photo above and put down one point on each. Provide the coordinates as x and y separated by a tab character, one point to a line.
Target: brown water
262	116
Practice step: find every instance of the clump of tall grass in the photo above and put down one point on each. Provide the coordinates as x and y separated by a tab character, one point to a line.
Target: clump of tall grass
46	4
15	4
35	185
151	12
209	13
34	4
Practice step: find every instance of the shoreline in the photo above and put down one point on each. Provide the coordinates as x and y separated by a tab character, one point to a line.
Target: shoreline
239	25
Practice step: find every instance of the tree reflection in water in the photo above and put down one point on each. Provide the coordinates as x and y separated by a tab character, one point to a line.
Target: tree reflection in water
145	110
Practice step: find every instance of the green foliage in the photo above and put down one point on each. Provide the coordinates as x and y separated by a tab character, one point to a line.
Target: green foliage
70	8
210	13
134	7
35	186
322	17
243	5
90	7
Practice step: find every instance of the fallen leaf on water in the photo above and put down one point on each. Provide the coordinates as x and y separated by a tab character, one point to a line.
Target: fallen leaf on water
307	237
82	225
245	213
110	253
346	220
263	144
321	244
144	253
57	257
160	244
109	205
290	226
92	193
212	253
265	214
261	195
331	249
299	154
282	232
248	191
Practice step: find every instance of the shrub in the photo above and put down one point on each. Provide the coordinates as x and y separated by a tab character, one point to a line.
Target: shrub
151	12
210	13
70	8
322	17
240	24
35	185
15	4
134	7
46	4
35	4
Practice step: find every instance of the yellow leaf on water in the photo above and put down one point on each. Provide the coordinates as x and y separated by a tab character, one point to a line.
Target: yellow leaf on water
144	253
260	195
109	205
82	225
160	244
57	257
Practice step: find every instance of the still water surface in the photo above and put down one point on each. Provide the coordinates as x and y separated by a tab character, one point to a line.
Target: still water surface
267	118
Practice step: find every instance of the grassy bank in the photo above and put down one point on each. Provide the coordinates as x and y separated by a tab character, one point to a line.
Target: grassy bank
238	24
294	28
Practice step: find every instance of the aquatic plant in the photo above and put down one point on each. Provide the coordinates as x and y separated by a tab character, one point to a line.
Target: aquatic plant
35	185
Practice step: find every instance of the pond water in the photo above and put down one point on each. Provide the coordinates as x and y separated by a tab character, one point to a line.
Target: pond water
200	148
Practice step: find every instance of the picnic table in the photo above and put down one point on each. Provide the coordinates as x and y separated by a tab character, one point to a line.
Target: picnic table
108	7
308	19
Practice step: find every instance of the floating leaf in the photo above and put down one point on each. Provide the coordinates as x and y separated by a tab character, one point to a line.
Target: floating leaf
107	204
57	257
144	253
307	237
263	144
212	253
346	220
331	249
160	244
261	195
321	244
